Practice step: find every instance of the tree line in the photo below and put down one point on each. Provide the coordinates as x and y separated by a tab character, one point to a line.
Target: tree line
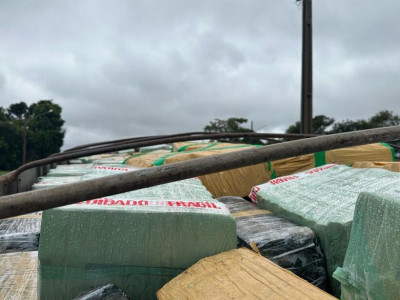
321	124
29	132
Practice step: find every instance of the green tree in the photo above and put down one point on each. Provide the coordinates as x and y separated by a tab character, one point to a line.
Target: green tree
319	124
381	119
385	118
17	111
10	142
45	135
38	127
231	125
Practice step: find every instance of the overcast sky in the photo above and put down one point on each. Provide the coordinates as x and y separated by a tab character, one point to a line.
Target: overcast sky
132	68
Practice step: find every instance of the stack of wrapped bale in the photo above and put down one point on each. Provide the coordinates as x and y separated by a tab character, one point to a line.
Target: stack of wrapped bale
190	146
371	265
155	148
324	199
104	157
70	170
137	240
239	274
343	156
237	182
20	233
19	241
52	181
115	159
88	172
387	165
290	246
18	275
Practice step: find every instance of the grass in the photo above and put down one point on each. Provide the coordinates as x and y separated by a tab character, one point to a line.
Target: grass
3	172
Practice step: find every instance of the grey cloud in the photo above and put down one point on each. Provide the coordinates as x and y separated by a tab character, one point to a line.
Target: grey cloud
132	68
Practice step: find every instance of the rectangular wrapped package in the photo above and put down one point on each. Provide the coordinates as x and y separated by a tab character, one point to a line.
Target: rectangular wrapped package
20	233
371	265
138	240
52	181
288	245
70	170
345	156
324	199
89	172
190	146
114	159
179	190
107	170
236	182
387	165
239	274
18	275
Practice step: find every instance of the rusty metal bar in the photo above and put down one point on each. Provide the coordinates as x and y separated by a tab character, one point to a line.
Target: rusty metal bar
23	203
121	146
394	146
137	139
200	136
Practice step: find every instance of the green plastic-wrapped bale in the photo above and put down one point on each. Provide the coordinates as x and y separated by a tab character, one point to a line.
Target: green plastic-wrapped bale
70	170
324	199
138	240
371	265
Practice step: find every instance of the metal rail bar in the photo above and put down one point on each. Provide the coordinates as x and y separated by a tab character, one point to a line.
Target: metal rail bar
121	146
397	147
27	202
207	136
142	138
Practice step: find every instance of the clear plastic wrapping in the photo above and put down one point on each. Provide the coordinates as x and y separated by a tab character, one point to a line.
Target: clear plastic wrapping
18	275
137	240
106	292
371	265
20	234
65	174
324	199
290	246
52	181
70	170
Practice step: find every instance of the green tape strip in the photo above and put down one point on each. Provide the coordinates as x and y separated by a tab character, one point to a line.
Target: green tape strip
273	175
319	158
202	148
182	148
391	149
207	147
269	165
98	271
161	160
133	155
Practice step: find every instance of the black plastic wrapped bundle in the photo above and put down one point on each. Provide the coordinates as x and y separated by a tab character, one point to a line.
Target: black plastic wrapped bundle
20	234
288	245
109	291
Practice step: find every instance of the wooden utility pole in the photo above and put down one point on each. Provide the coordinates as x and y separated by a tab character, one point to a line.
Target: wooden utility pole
306	76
